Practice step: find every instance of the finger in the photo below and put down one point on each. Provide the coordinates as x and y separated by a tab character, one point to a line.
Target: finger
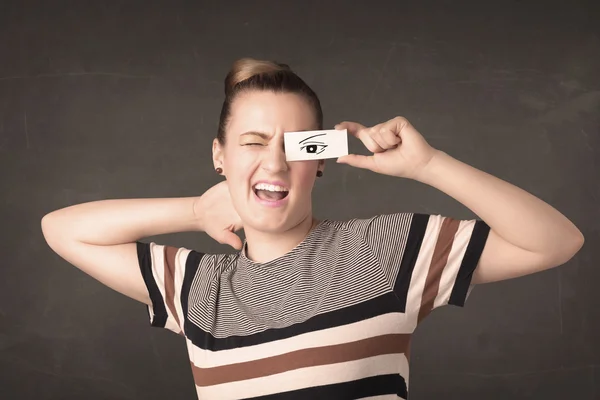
358	161
371	143
398	124
352	127
231	239
363	134
366	136
378	138
388	137
373	140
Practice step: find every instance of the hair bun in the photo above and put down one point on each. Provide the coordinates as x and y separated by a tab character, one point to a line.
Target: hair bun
245	68
249	74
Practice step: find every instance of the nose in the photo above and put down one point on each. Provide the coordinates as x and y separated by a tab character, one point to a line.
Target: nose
274	159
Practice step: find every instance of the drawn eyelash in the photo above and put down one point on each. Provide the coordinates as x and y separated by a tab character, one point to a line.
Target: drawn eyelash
312	147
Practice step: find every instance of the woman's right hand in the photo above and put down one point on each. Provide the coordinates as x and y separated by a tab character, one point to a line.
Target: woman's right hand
217	216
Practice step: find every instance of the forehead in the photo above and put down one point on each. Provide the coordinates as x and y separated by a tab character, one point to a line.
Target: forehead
270	112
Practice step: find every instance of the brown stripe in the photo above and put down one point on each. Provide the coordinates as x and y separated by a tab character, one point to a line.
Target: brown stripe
385	344
438	262
170	254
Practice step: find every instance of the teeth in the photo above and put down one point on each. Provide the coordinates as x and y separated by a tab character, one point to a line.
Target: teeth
270	188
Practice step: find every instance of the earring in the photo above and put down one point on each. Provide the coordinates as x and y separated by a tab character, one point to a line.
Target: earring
319	174
219	170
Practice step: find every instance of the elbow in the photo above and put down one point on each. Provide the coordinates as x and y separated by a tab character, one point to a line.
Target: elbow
50	226
571	247
46	224
578	242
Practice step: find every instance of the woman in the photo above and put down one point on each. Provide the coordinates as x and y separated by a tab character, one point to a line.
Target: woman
307	309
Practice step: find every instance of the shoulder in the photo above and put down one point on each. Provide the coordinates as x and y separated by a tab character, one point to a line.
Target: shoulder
183	259
216	263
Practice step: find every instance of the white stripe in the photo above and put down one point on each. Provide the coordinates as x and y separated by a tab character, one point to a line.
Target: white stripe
392	323
421	269
158	272
180	261
459	247
308	377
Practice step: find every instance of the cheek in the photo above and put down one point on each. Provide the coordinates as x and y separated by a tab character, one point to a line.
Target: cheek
239	166
304	175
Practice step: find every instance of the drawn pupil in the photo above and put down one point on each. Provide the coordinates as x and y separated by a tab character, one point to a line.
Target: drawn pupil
311	148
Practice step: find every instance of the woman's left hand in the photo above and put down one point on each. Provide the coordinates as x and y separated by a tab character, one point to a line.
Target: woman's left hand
398	149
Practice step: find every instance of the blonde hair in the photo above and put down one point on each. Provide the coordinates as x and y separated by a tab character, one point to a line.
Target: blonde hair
250	74
245	68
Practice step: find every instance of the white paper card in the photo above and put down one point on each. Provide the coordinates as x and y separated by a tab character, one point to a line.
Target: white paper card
315	145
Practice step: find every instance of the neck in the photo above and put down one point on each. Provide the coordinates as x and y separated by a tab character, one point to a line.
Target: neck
266	246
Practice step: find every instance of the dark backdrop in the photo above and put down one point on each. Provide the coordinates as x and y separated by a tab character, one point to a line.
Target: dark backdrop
120	99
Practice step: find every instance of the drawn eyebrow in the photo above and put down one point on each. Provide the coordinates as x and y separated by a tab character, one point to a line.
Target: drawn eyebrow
310	137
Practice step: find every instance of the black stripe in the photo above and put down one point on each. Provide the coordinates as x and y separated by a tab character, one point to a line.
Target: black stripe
380	305
191	267
373	386
159	318
469	263
416	234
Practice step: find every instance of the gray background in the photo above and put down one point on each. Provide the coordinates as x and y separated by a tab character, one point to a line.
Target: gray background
120	99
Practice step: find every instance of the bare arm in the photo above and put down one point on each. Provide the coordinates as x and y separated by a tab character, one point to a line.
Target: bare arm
527	235
99	237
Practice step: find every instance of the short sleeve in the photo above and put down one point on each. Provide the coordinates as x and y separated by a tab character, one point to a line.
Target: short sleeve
167	272
429	260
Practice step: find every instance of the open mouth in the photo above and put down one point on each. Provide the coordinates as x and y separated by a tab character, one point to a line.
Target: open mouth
268	192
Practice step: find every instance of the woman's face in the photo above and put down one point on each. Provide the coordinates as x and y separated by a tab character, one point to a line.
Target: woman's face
269	193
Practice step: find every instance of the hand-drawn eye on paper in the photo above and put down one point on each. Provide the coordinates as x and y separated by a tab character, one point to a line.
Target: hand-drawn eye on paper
313	146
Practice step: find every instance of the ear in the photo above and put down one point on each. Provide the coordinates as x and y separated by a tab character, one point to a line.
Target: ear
217	151
321	166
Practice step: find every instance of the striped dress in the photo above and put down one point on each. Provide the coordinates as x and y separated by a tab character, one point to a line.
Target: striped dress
331	319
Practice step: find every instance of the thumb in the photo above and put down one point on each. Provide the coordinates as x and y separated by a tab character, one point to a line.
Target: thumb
358	161
230	238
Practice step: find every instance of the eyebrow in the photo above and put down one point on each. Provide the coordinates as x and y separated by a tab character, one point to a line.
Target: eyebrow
263	135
